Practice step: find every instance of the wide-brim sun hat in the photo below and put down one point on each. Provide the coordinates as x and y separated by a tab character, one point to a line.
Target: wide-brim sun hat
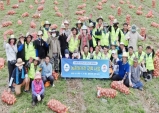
84	27
37	75
66	22
21	35
40	33
91	24
63	26
115	21
28	34
19	62
47	23
121	43
99	18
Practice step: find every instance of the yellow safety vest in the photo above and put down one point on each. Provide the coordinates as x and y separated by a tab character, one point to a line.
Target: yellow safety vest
141	57
73	44
106	56
131	58
98	36
114	34
45	34
93	38
105	39
32	71
29	51
149	62
96	57
86	57
123	39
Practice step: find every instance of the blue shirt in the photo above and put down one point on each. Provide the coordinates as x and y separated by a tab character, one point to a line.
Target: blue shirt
123	68
46	69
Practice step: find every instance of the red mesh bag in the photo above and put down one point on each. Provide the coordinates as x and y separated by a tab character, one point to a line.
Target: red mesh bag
6	24
2	62
106	92
143	31
19	22
57	106
8	98
40	8
53	26
8	32
153	3
128	19
156	64
119	11
1	5
104	1
11	12
120	87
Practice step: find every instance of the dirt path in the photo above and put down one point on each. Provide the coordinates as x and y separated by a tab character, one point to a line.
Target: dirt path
75	96
148	102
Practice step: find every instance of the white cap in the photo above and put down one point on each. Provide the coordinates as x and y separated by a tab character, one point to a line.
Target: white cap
66	22
12	36
121	43
62	25
84	27
40	32
91	24
113	51
115	21
47	22
125	54
79	22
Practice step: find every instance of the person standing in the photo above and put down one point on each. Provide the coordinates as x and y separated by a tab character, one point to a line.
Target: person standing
54	50
40	46
20	44
11	53
73	41
84	37
133	37
45	30
67	30
19	78
124	69
37	89
63	40
92	42
79	25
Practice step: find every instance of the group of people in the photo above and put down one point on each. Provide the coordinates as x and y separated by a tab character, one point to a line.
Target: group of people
31	63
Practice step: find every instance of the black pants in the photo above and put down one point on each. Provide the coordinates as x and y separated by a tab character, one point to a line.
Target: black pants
34	98
50	78
10	69
30	83
118	78
145	74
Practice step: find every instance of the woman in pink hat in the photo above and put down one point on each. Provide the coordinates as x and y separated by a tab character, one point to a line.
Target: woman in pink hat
37	89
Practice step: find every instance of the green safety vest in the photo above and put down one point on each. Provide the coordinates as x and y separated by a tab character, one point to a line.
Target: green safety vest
114	34
32	71
106	57
29	51
45	34
93	38
140	58
73	44
97	57
149	62
86	57
105	39
98	36
123	39
130	59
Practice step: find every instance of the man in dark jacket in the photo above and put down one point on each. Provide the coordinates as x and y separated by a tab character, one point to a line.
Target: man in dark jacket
21	51
40	46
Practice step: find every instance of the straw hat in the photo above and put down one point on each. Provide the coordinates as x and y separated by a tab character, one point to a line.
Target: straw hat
66	22
84	27
125	54
28	34
37	75
40	33
21	35
12	37
115	21
99	18
19	62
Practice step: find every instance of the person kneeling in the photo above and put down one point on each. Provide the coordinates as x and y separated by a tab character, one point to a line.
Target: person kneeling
47	71
19	78
123	70
37	89
134	76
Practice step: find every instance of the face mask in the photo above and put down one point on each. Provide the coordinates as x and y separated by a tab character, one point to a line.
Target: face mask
53	35
46	29
66	55
20	67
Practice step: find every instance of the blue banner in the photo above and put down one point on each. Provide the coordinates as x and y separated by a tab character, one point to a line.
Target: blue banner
78	68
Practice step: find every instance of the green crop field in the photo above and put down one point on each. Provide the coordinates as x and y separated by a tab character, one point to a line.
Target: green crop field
80	95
